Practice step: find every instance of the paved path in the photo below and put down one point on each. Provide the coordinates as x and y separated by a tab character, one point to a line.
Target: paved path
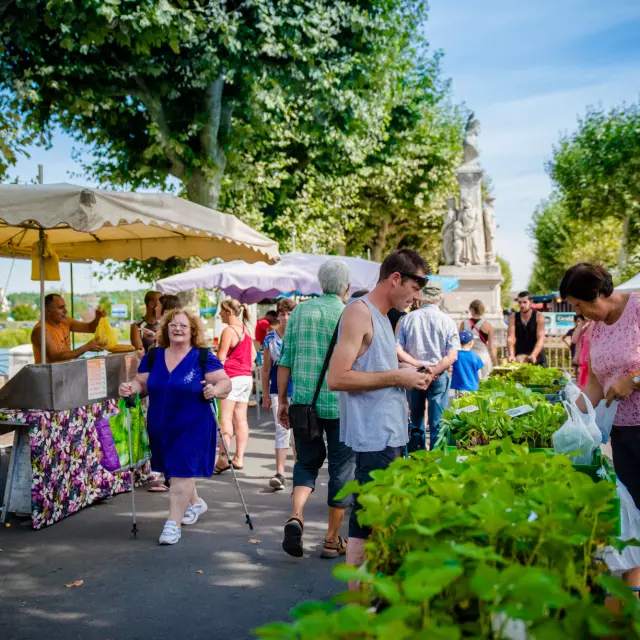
135	589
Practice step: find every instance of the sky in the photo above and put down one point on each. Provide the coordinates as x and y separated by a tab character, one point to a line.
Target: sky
527	69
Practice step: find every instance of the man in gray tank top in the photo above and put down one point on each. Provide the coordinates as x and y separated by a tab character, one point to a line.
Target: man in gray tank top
365	369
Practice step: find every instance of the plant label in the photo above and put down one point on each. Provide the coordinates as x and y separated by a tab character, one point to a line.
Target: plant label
470	409
519	411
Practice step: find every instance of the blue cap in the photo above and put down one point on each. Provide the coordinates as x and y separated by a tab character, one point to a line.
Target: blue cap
466	337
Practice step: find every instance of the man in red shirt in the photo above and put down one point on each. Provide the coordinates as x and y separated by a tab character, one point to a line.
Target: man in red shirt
264	325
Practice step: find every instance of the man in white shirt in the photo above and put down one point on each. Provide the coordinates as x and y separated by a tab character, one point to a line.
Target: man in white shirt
429	338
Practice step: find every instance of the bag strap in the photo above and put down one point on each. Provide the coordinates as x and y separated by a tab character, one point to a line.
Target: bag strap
476	327
325	364
202	357
151	357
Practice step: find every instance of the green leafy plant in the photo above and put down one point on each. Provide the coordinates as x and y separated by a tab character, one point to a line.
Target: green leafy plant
481	417
24	312
548	380
464	546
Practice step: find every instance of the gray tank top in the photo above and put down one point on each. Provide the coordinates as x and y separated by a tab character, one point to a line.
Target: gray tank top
374	420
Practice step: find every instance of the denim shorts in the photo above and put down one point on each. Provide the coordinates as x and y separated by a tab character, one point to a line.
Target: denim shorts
311	454
366	462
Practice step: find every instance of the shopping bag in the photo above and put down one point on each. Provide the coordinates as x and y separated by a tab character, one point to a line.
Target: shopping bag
578	433
605	417
620	562
139	437
105	335
110	460
572	392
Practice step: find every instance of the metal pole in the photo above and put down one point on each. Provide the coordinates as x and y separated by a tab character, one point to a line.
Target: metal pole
43	330
73	315
41	173
368	253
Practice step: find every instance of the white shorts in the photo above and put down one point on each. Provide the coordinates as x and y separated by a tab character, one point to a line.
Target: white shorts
240	388
283	436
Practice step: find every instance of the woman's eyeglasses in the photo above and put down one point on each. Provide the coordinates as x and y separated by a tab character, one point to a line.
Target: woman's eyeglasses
173	325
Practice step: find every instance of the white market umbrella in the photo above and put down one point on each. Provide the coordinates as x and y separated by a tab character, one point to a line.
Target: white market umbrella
81	223
630	285
295	273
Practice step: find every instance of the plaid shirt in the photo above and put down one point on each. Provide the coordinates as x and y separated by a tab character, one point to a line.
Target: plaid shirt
305	345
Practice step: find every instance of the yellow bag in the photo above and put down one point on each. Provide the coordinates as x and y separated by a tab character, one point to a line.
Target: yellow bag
51	262
105	335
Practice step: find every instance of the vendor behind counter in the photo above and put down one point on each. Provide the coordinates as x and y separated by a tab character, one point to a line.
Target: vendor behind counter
58	329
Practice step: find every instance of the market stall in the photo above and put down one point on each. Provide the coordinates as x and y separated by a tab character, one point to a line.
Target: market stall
53	408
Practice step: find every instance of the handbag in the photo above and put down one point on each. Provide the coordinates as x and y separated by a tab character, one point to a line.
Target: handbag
303	418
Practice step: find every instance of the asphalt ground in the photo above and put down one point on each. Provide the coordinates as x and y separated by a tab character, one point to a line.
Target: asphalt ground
213	584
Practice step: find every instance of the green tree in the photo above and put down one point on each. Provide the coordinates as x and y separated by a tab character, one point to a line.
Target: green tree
562	239
166	89
24	312
595	171
507	283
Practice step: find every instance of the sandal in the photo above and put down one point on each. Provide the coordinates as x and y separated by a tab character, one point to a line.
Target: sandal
334	549
237	467
158	488
292	542
218	470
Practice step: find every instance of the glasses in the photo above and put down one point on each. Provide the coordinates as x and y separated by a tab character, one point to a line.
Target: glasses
421	280
173	325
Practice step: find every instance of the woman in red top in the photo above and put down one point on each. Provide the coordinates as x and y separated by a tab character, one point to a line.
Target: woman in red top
237	353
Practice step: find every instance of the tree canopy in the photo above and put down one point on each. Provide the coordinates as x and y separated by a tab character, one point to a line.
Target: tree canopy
562	239
595	172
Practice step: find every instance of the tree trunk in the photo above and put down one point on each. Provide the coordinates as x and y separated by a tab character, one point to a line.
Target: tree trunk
623	256
380	242
204	188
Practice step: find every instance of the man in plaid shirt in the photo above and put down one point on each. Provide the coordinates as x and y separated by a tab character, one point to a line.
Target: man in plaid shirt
305	345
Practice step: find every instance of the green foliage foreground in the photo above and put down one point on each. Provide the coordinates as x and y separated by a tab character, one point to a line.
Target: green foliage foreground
464	546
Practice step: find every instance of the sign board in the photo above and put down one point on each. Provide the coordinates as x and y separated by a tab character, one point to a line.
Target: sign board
119	311
519	411
96	379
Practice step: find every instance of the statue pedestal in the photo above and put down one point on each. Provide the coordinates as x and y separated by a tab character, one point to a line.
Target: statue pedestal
477	282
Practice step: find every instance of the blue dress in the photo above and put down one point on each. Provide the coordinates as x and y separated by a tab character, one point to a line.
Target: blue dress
182	432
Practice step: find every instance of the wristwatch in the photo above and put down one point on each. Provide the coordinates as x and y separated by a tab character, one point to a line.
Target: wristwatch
635	378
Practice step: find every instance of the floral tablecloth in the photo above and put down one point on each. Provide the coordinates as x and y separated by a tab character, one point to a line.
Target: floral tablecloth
65	461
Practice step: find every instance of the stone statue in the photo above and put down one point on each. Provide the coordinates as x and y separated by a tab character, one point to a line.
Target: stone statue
489	230
461	242
470	143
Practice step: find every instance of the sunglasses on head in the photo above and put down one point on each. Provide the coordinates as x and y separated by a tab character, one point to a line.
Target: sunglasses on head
421	280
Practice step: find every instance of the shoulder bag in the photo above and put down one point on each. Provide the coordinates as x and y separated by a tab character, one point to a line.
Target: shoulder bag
303	418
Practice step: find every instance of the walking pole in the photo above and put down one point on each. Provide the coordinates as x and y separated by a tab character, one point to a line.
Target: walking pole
129	403
214	412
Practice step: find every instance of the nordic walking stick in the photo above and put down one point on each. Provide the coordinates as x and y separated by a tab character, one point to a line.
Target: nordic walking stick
129	403
233	471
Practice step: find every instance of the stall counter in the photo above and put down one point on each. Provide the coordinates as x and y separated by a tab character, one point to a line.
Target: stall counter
55	465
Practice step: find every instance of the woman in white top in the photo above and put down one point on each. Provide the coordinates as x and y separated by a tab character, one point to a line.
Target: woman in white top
483	337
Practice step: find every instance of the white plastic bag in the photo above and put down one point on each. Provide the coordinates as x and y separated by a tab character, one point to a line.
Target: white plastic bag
578	433
605	417
618	562
572	391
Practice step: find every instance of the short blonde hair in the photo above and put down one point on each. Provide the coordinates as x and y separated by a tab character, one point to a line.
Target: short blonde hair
197	338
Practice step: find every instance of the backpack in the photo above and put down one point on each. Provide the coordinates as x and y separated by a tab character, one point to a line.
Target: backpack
202	357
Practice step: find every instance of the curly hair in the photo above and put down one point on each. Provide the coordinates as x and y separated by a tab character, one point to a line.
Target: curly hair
197	338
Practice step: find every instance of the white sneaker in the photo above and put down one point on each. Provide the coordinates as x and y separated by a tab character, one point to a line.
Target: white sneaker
194	511
170	534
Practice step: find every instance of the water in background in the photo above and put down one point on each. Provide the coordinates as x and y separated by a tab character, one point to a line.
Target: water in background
4	362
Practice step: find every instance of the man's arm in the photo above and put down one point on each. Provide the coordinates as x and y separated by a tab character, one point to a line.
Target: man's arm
356	321
404	357
55	354
446	362
511	338
539	338
87	327
284	375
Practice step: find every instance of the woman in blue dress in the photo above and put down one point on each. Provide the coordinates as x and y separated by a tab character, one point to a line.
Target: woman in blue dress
182	432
